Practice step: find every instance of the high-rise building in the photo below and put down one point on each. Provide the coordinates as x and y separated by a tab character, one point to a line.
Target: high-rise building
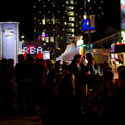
50	19
71	20
62	20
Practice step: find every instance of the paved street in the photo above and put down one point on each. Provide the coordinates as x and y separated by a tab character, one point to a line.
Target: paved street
19	120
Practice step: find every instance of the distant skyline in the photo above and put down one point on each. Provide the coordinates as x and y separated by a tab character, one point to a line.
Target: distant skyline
21	11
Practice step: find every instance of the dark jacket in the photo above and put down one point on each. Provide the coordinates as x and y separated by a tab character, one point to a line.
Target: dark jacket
79	75
22	71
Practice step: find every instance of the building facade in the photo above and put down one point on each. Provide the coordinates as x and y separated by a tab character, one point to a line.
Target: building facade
62	20
50	19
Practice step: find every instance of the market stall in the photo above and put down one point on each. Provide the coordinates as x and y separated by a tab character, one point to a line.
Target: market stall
69	53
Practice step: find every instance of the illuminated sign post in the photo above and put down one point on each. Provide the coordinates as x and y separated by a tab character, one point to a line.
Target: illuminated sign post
9	40
35	50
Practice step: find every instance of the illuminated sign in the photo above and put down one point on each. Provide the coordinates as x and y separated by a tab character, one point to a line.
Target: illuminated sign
9	34
44	37
86	25
46	55
123	37
118	48
122	14
35	50
80	42
113	48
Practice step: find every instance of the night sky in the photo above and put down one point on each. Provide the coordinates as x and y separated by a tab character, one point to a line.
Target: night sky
22	11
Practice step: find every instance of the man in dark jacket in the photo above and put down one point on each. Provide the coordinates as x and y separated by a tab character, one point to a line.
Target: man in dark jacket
78	69
23	79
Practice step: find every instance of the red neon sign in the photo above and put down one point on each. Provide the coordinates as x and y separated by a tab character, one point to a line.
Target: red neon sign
35	50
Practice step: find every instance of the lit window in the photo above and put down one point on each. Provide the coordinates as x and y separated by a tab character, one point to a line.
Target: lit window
71	24
71	7
52	39
85	16
72	19
43	21
48	20
65	23
72	2
71	13
53	21
71	30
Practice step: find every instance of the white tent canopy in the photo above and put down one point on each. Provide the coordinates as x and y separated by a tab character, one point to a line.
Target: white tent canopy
69	53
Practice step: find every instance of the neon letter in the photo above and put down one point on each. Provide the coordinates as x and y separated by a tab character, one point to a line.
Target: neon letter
39	49
25	50
32	50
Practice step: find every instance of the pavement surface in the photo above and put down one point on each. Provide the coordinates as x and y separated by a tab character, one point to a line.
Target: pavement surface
19	120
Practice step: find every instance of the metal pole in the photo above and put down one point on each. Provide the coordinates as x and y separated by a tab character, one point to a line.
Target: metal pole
89	31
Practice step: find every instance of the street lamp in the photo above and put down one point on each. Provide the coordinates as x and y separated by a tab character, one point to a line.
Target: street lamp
22	37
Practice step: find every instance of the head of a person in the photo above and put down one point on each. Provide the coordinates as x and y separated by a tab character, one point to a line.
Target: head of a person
106	64
78	59
11	63
108	75
28	56
91	62
4	63
20	58
42	63
88	56
48	63
120	68
121	78
37	60
31	60
58	62
107	69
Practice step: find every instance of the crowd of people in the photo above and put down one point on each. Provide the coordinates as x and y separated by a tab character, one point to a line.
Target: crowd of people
65	94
